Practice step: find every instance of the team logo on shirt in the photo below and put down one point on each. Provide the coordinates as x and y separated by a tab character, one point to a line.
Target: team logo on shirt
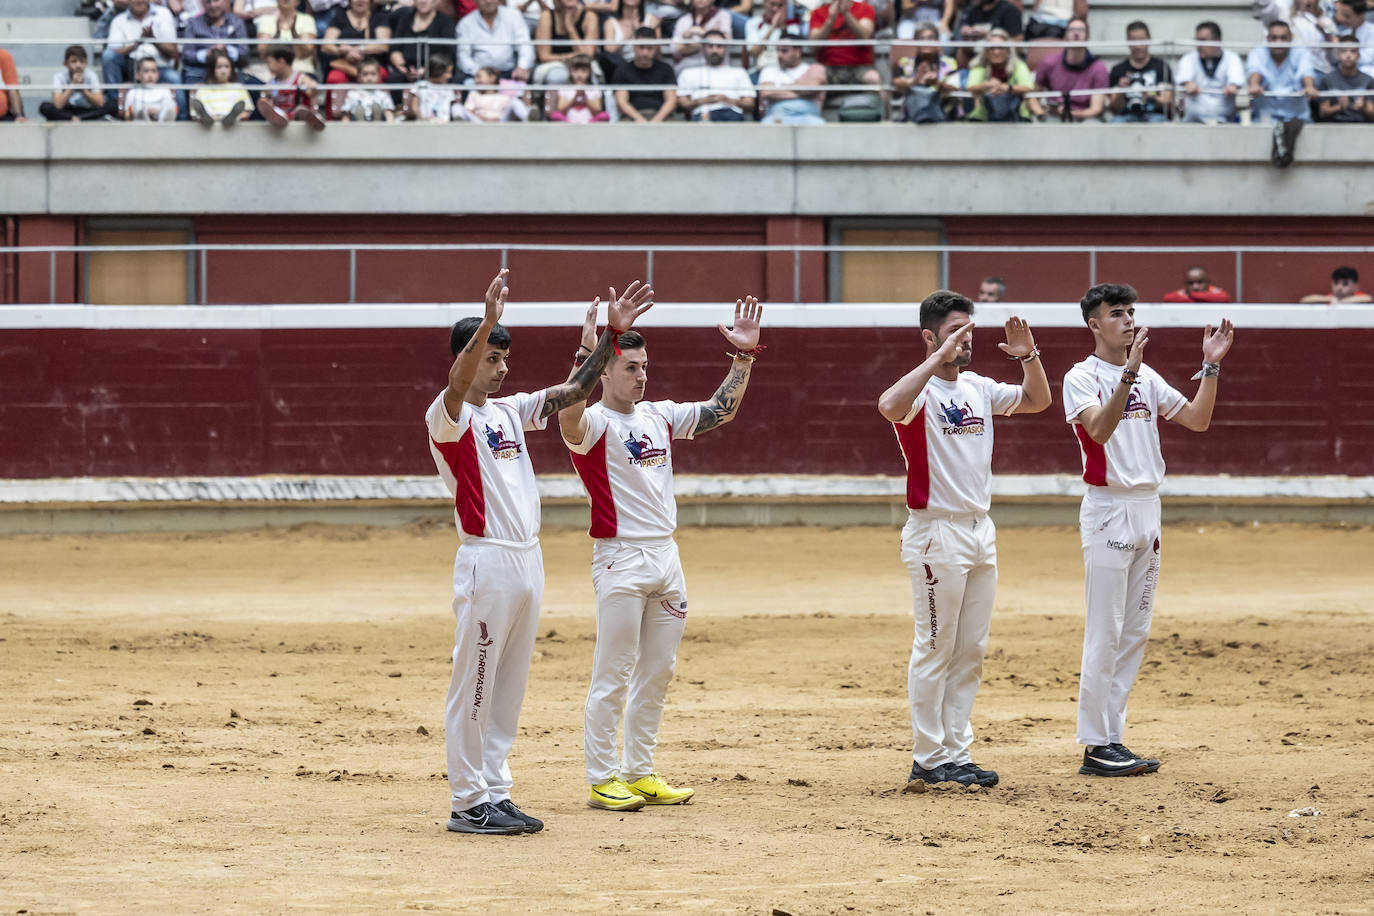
501	447
642	452
1136	409
960	421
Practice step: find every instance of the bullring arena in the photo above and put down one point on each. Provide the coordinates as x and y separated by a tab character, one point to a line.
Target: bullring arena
226	560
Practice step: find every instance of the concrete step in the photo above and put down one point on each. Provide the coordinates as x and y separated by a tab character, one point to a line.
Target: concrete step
27	8
56	33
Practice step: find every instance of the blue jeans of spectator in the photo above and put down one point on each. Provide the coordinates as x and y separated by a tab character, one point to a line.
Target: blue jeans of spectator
1265	109
794	111
115	68
922	105
1151	117
719	114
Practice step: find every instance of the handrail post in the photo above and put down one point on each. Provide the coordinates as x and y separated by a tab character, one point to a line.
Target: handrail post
52	277
505	258
796	276
204	283
352	276
1092	266
649	267
1240	275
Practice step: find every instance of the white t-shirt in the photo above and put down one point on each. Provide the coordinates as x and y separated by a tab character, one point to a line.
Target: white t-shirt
140	98
62	80
946	440
1131	458
626	463
126	30
483	461
700	82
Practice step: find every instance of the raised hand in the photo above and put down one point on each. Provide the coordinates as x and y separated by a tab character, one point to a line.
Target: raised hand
744	333
589	325
1136	354
1019	340
950	348
629	305
1217	343
496	296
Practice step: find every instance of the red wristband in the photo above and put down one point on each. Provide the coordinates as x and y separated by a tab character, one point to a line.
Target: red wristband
751	354
615	338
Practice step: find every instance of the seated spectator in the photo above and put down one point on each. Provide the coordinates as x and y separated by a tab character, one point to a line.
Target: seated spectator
981	18
149	100
141	31
324	12
1345	287
763	32
1310	25
999	81
11	103
715	91
569	25
1346	109
1197	288
620	30
435	100
1210	78
1280	70
790	91
488	102
76	94
290	95
702	17
992	289
215	23
252	12
1068	71
1049	19
1144	73
343	63
494	36
922	81
580	103
1350	20
838	22
651	106
364	103
912	14
289	24
221	97
421	21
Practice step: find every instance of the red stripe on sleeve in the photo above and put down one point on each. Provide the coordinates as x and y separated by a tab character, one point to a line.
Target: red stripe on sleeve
912	438
1094	457
470	500
591	467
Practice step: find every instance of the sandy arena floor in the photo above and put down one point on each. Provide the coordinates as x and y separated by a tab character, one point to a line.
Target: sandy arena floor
252	723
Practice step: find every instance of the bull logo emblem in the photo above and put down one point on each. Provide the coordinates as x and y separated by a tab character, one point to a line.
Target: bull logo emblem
483	639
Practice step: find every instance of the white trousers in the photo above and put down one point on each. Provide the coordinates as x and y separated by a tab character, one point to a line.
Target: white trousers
1121	538
953	566
496	595
641	612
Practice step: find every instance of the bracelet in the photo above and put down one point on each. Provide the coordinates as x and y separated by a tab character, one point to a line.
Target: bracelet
615	333
1128	377
581	347
1034	353
750	355
1208	370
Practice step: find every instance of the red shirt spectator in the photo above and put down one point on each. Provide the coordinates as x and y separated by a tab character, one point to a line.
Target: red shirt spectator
1197	288
838	54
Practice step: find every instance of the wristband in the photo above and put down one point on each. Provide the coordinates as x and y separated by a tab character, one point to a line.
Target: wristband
1128	377
748	354
1208	370
581	347
1035	352
615	333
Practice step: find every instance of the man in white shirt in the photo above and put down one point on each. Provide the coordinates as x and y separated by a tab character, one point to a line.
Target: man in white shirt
622	448
1114	402
143	30
762	32
494	35
1210	78
791	90
478	446
716	91
942	416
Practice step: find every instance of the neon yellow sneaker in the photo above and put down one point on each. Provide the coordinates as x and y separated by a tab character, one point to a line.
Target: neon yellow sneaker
614	795
655	791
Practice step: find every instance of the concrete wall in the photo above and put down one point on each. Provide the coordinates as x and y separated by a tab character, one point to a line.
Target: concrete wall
830	170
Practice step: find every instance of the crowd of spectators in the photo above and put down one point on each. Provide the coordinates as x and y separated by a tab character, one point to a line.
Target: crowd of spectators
719	60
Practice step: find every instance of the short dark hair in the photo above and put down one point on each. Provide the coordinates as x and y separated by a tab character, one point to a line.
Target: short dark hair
1346	273
1356	6
645	31
936	306
1352	39
74	51
631	340
462	332
1138	25
282	53
1210	26
1106	294
1279	22
438	63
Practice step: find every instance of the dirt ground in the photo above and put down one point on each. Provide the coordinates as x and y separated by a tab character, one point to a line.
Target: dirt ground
251	723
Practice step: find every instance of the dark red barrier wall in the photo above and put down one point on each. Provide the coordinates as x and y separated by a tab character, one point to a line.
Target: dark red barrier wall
351	401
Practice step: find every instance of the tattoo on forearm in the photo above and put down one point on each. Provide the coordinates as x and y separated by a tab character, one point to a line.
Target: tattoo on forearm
582	380
723	405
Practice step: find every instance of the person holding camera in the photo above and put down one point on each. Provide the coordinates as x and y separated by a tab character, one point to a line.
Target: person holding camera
1143	72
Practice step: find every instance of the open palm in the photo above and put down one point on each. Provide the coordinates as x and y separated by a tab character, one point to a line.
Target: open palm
743	334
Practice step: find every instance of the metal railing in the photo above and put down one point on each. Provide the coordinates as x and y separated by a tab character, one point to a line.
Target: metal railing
200	255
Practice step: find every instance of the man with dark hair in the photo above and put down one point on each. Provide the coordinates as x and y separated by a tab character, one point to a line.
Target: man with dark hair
1276	68
1346	76
943	420
715	91
622	448
1197	287
1210	77
645	106
1144	73
992	289
1113	402
478	446
1350	20
1345	287
1070	70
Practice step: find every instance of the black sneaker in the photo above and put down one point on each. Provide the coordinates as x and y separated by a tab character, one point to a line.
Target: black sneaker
532	824
945	772
484	818
1150	763
1108	760
985	778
